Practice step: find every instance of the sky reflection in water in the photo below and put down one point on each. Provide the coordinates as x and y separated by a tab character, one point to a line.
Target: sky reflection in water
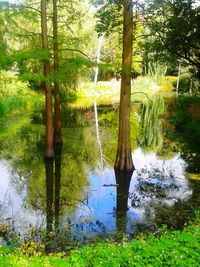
154	182
154	185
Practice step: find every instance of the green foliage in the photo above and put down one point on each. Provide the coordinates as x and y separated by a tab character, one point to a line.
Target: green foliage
187	121
15	104
156	70
35	101
22	47
170	249
167	83
15	95
184	83
12	104
151	124
184	131
174	31
10	85
110	26
186	111
109	17
188	83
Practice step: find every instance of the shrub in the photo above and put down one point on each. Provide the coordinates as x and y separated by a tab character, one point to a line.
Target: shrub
10	85
187	84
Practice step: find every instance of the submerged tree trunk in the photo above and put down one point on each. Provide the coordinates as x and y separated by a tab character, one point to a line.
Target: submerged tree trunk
47	86
124	159
57	99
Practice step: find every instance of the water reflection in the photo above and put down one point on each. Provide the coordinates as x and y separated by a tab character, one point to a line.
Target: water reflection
77	192
151	125
49	194
123	182
58	157
158	183
53	186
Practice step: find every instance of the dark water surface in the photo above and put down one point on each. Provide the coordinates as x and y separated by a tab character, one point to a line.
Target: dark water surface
78	191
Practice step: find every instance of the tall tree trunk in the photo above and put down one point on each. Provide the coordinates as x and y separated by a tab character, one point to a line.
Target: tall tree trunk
57	102
124	159
47	86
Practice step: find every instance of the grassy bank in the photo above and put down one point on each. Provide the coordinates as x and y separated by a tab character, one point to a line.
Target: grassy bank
177	248
16	95
16	104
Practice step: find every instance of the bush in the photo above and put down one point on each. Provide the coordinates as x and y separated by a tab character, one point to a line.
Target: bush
187	84
10	85
184	83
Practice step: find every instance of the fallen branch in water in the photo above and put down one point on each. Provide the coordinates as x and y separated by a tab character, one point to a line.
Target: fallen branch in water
107	185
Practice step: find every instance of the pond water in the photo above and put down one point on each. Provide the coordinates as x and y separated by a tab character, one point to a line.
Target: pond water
78	191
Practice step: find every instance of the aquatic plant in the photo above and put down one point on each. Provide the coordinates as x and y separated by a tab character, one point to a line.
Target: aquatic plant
151	124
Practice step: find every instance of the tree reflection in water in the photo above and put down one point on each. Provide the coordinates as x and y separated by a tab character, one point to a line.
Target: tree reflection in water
57	158
53	187
49	198
123	182
79	201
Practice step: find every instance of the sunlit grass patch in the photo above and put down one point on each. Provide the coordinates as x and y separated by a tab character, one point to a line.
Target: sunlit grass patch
101	89
167	83
109	91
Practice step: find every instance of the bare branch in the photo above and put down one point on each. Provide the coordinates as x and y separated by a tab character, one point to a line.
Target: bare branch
76	50
141	93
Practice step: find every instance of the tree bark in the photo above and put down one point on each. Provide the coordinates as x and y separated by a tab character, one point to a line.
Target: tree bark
57	100
48	94
123	160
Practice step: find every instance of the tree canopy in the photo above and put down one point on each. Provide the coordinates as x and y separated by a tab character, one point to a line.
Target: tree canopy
175	27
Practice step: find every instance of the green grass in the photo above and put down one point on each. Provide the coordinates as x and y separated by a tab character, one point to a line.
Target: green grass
143	87
16	96
12	103
177	248
15	104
